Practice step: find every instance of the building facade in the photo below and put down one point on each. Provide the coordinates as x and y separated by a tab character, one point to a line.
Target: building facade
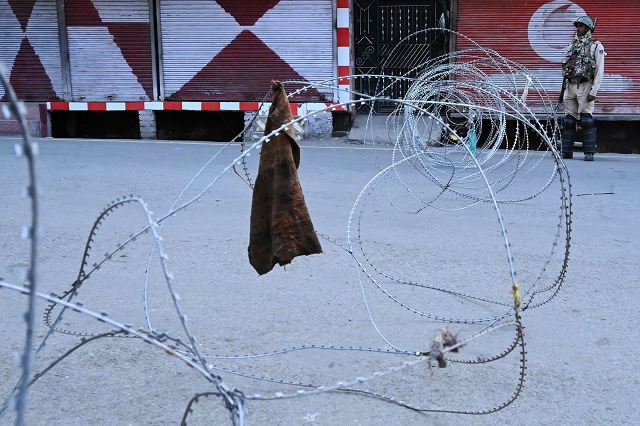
221	55
151	55
536	34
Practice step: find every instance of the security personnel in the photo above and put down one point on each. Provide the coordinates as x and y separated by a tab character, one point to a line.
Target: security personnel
583	67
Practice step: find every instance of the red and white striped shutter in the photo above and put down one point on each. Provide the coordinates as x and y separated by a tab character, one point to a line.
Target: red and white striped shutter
230	50
30	49
536	34
110	50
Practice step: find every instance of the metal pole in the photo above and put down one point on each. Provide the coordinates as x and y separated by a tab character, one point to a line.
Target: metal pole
65	62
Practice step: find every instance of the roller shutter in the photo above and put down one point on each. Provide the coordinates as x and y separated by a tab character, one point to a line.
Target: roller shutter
110	50
536	34
29	49
231	50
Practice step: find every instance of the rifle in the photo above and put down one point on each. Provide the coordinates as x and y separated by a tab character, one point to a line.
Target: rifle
564	87
555	111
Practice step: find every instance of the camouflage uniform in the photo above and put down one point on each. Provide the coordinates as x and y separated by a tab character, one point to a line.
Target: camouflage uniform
583	68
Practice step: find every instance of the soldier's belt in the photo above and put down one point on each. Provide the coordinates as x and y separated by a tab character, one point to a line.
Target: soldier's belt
578	80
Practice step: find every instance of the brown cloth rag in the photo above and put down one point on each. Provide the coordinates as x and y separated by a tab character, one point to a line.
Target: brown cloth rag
281	227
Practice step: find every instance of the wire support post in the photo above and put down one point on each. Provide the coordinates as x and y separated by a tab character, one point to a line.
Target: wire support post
29	150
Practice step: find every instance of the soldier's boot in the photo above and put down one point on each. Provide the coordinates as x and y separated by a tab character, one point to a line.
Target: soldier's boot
568	135
589	136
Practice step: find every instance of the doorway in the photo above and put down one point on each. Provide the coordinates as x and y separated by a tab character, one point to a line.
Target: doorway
388	41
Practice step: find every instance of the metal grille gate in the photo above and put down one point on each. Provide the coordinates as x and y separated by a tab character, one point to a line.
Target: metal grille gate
382	45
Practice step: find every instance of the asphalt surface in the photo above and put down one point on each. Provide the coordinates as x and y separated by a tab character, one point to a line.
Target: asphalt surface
582	357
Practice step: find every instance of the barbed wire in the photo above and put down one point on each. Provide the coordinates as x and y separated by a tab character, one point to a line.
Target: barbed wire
435	129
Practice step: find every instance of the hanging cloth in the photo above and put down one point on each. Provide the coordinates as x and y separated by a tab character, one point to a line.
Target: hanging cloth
281	227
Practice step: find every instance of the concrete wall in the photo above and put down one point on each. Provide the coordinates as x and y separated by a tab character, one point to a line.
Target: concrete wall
314	126
148	128
320	124
34	121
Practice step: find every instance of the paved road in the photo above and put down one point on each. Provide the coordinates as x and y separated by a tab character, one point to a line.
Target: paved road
582	355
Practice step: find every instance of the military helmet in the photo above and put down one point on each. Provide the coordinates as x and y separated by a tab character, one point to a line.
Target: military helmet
589	22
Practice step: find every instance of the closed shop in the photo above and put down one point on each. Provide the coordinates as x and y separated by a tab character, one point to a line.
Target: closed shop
110	50
231	50
536	34
30	50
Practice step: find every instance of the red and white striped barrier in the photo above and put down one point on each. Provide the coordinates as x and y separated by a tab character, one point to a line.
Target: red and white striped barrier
296	108
344	50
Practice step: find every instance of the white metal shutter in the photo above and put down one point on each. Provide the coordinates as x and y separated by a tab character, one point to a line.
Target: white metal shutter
30	50
231	50
110	50
537	33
